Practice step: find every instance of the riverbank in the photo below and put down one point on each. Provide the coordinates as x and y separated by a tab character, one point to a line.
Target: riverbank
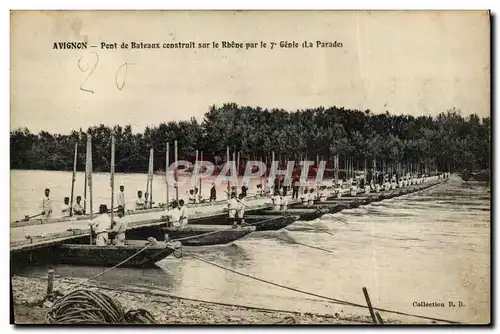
28	294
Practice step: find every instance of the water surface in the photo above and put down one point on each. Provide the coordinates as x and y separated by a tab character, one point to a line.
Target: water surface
432	246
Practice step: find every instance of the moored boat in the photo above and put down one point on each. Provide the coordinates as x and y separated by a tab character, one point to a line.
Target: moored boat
270	222
301	214
261	222
207	235
111	255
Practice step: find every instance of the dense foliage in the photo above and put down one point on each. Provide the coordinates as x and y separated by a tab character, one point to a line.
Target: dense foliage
447	141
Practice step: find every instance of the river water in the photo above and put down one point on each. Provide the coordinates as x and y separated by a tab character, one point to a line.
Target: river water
432	246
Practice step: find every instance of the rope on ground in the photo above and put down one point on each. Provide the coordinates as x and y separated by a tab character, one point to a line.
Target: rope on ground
286	321
162	293
336	301
94	307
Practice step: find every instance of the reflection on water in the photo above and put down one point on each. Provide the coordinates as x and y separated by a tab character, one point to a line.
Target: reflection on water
432	246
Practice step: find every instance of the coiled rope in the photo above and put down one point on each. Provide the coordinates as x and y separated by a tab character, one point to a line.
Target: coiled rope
91	307
94	307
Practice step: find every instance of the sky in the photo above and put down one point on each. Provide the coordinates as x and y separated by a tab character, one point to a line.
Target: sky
418	63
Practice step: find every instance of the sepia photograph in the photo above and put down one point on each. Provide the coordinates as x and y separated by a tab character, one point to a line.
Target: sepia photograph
250	167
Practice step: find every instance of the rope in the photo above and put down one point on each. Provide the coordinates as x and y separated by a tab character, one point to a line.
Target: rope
286	321
94	307
202	234
336	301
299	243
159	292
320	229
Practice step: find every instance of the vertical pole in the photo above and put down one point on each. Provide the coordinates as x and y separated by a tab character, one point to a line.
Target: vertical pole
336	167
368	302
236	185
50	283
167	163
267	168
85	189
262	190
348	168
88	176
195	170
147	182
272	185
238	166
201	163
73	181
151	173
177	183
112	178
85	182
227	164
89	166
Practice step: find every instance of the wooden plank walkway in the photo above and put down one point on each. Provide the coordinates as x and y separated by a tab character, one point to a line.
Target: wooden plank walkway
40	235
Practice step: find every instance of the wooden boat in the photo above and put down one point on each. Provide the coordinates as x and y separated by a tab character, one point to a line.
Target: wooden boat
481	176
207	234
301	214
110	255
270	222
261	222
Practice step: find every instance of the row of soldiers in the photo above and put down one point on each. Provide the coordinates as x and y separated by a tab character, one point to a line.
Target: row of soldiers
77	209
47	206
109	231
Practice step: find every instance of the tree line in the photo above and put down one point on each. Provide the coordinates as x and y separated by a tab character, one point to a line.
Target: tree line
447	142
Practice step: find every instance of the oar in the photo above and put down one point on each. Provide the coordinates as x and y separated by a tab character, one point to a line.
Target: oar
28	218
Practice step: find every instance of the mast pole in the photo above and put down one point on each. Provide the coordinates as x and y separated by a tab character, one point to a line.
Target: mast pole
167	156
227	162
151	174
89	166
177	183
112	178
73	180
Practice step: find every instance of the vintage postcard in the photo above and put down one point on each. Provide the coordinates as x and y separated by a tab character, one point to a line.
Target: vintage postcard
250	167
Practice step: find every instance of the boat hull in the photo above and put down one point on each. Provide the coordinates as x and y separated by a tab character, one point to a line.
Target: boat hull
207	234
300	214
270	222
110	255
261	222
